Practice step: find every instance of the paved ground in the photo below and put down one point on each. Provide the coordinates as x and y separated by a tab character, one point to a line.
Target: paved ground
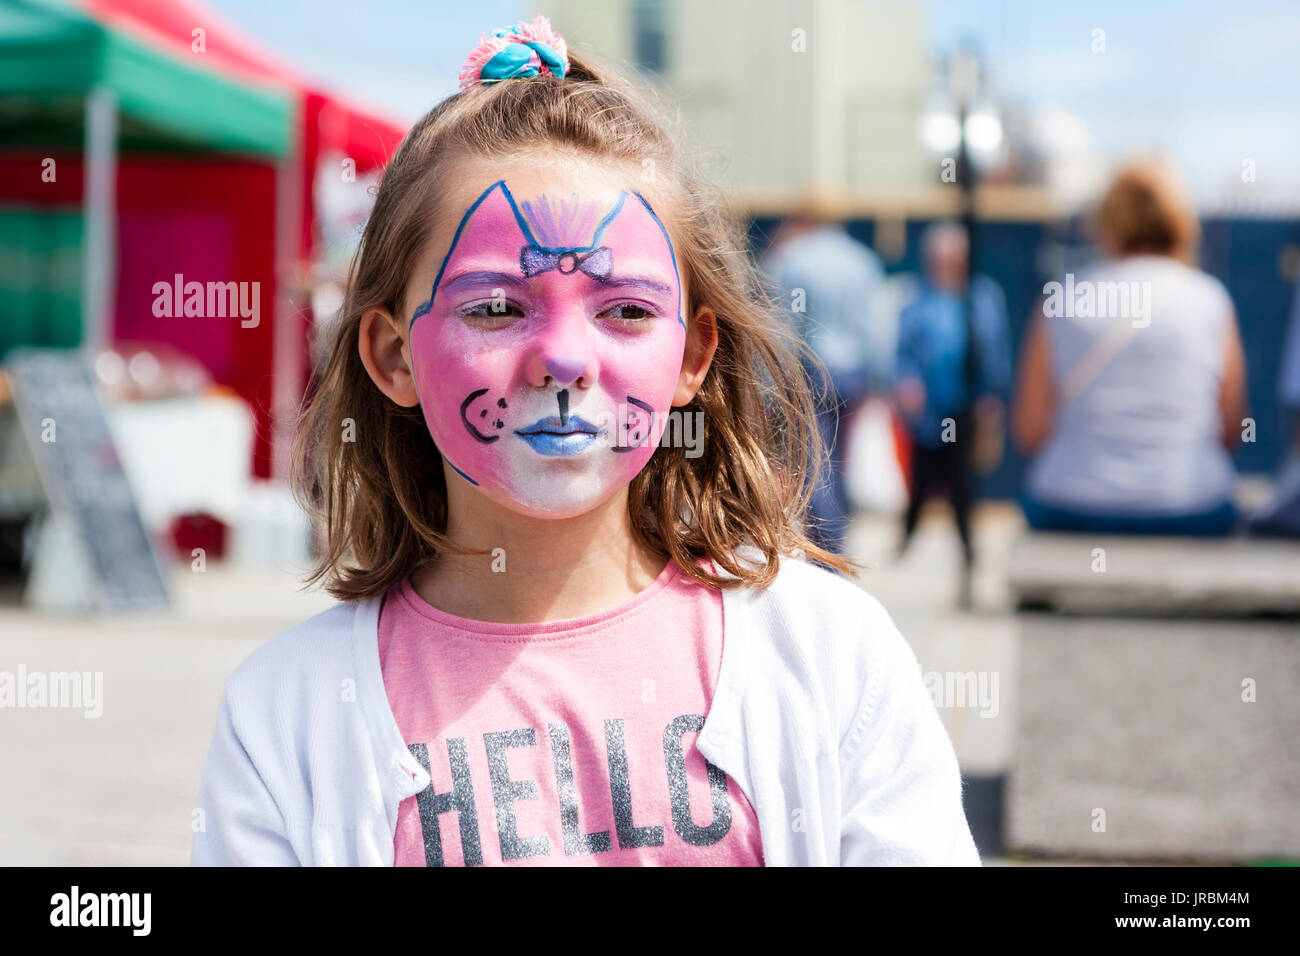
119	789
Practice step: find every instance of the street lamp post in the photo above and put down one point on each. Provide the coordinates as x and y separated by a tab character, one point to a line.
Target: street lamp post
963	120
964	83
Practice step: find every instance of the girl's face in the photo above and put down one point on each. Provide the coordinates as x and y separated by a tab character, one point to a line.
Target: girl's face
547	337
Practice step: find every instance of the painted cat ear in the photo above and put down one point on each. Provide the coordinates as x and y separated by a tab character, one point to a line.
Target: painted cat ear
634	218
481	225
486	218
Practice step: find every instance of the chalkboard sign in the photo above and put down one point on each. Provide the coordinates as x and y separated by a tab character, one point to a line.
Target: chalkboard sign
67	430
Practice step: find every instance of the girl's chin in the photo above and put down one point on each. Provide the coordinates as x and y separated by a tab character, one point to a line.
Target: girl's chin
556	492
554	506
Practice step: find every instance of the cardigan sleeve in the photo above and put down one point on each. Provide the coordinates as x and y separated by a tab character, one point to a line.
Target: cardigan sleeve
902	791
237	821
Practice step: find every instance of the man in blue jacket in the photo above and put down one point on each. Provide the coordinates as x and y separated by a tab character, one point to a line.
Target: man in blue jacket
945	391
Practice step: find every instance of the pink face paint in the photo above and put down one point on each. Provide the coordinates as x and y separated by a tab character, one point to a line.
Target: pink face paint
548	352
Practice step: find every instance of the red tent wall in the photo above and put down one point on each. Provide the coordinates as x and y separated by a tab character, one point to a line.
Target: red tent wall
207	219
214	218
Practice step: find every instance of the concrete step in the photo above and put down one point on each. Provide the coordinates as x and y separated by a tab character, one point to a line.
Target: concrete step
1088	573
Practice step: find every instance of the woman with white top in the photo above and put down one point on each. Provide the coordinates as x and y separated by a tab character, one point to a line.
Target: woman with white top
1131	388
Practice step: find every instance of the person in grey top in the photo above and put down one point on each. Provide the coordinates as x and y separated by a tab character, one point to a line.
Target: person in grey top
831	284
1132	381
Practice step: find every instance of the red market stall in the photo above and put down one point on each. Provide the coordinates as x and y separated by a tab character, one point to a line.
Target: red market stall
121	165
268	364
173	167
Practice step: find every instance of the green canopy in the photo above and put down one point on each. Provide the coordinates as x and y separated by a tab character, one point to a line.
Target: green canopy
52	56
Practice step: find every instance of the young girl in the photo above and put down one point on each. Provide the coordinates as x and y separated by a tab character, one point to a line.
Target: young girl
562	450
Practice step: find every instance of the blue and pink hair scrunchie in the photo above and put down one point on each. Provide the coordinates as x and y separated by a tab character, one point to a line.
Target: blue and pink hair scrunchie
525	49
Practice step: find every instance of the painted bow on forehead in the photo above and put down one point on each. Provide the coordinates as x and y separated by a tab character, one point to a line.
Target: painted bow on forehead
567	235
596	263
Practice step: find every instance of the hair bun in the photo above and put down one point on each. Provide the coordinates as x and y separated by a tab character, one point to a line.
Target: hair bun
525	49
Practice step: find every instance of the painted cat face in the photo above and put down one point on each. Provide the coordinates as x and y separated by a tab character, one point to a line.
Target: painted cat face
548	352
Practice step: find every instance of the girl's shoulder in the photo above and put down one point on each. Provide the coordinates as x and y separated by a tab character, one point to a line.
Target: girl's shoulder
827	649
827	620
811	589
313	654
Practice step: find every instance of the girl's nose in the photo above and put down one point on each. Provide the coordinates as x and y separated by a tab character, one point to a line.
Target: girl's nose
565	369
566	364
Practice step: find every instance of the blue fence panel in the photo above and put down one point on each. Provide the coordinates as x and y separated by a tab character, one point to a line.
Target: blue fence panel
1245	254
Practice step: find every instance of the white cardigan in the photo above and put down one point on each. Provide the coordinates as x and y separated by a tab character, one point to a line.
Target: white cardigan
820	715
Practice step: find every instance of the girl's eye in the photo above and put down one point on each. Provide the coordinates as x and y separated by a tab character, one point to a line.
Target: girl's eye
628	311
492	310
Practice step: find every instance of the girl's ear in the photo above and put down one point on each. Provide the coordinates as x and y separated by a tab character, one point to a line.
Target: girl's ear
387	357
701	343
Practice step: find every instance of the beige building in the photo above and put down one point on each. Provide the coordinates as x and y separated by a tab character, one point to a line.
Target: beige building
783	96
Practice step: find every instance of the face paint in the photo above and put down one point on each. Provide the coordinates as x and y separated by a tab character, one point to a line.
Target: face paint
548	352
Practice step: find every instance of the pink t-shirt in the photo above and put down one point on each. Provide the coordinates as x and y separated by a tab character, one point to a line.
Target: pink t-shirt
568	743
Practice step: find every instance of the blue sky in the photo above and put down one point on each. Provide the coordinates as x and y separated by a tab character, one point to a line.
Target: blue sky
399	56
1210	82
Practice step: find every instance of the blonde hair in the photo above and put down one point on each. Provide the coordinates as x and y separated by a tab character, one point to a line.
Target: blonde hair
381	499
1145	210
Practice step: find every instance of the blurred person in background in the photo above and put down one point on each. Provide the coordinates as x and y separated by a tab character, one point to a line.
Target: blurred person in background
841	281
1288	385
1281	516
946	391
1131	412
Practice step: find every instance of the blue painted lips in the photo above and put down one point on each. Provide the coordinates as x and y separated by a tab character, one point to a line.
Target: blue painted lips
553	437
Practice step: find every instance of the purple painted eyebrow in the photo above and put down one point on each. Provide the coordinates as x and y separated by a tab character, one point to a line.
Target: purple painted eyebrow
619	282
484	278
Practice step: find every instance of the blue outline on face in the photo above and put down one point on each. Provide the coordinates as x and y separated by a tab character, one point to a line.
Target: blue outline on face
457	470
424	308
